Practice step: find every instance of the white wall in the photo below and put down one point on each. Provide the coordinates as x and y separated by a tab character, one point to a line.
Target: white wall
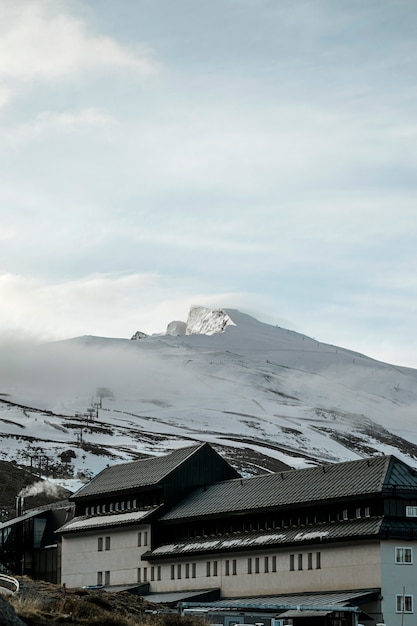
396	577
349	566
81	559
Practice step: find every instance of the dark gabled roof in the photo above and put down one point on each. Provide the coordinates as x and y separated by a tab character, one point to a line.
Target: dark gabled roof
321	483
318	533
143	473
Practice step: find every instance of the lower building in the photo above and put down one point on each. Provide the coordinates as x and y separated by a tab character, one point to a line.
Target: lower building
329	545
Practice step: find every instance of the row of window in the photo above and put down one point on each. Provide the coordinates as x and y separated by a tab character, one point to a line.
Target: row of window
404	602
154	574
313	561
125	505
254	565
104	543
122	505
268	523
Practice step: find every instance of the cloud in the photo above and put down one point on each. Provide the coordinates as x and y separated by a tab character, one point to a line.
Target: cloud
106	305
39	40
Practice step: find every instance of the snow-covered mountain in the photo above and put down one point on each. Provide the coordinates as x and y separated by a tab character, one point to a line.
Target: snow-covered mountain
261	394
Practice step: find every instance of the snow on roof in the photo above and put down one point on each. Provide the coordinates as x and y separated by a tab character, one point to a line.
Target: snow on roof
87	523
331	530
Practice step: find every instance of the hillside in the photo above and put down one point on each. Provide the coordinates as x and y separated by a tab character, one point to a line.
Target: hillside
260	394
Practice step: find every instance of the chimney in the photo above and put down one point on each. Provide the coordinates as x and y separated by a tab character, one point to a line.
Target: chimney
20	501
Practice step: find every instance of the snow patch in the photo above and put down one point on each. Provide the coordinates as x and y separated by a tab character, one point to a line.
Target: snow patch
204	321
176	329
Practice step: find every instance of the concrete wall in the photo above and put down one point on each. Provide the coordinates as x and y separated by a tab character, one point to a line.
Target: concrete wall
82	560
395	577
349	566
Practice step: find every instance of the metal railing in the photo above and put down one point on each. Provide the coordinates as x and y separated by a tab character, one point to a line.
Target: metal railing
8	585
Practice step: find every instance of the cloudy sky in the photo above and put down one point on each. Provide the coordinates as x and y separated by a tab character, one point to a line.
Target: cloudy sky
252	154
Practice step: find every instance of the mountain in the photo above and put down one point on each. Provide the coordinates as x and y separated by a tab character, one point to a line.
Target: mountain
263	395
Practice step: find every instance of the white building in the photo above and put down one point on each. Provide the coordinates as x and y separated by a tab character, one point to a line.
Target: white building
328	545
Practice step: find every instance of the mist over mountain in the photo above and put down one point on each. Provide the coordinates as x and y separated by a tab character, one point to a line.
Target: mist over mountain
261	394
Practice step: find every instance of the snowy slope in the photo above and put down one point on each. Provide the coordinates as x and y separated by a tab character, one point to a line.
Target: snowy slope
260	393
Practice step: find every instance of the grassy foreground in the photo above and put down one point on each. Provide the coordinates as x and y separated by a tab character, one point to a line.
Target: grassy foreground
43	604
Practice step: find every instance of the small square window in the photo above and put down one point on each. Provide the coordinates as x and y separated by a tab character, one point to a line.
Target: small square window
404	603
404	556
411	511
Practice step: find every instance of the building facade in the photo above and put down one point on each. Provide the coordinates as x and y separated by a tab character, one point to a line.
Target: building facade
329	545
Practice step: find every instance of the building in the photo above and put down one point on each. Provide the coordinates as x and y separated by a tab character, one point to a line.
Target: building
29	544
327	545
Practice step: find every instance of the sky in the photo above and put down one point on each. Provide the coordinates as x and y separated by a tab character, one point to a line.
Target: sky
250	154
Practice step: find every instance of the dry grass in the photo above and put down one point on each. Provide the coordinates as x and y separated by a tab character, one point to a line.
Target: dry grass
44	604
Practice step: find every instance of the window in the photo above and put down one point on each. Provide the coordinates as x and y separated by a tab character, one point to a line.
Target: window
145	538
292	559
234	567
139	575
172	572
358	513
404	603
214	568
274	564
257	565
310	560
159	572
318	560
179	571
345	514
152	573
404	556
208	569
227	567
107	543
99	578
145	574
411	511
367	511
139	539
300	561
107	578
266	565
249	566
100	545
187	570
193	570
